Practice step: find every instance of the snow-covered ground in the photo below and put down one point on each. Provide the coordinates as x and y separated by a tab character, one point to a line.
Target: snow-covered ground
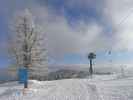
97	88
112	88
72	89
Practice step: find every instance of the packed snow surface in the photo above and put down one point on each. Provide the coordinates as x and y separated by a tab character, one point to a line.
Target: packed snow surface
96	88
72	89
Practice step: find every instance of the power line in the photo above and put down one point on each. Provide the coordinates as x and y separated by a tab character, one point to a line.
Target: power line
123	20
126	17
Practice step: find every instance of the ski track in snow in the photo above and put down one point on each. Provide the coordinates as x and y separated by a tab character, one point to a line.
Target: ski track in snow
115	89
70	89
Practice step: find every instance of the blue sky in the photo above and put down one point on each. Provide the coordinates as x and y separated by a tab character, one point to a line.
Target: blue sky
76	28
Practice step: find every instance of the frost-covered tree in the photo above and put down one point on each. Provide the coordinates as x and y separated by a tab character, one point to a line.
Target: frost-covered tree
28	45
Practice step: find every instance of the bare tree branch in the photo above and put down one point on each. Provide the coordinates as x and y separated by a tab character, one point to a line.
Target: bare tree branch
25	40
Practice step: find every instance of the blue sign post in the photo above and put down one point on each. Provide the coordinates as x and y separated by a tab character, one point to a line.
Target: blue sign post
23	76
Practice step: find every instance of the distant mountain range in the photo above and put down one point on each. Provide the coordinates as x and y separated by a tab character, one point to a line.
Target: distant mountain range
65	71
65	74
84	67
6	75
71	73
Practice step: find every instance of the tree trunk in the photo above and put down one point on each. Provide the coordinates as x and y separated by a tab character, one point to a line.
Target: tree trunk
26	84
91	69
26	62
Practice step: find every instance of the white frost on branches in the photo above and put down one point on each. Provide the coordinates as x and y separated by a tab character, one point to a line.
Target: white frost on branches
28	44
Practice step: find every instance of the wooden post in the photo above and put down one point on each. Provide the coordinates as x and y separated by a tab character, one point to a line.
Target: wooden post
91	69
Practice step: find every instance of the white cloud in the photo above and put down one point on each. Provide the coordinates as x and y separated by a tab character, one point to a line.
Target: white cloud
64	39
120	15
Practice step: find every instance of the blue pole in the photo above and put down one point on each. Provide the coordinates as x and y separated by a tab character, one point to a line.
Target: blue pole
23	76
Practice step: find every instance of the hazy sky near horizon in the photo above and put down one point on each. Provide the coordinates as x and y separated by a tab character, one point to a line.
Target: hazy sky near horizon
76	27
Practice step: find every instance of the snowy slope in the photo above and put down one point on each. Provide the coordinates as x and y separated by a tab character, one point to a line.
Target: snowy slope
97	88
116	89
72	89
111	88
